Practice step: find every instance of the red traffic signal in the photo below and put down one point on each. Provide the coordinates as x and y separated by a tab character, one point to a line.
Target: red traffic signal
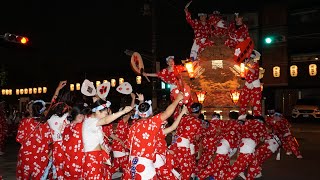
15	38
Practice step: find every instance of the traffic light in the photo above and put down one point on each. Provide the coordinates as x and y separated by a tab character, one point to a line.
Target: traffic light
268	40
15	38
274	39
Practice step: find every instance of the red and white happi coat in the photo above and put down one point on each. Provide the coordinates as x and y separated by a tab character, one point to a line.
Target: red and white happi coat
219	25
72	146
142	144
34	138
172	77
236	34
201	30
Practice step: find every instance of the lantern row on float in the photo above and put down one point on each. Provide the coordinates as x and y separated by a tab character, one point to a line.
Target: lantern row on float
25	91
294	70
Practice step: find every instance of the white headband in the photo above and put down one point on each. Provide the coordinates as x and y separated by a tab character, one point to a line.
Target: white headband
43	104
102	106
147	113
169	57
202	14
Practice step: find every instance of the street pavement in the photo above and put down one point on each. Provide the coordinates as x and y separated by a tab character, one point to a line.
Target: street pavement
307	134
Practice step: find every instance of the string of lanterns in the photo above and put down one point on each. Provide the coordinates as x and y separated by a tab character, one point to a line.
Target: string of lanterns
26	91
294	70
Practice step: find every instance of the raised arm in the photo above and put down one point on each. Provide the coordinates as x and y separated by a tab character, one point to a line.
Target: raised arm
109	118
176	122
188	18
170	109
56	93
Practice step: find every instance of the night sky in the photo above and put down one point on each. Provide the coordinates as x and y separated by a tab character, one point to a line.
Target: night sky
73	39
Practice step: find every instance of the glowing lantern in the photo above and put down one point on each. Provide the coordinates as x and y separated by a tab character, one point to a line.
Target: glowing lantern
35	90
113	83
242	70
78	86
235	96
201	95
294	71
3	91
313	69
138	79
39	90
26	91
21	91
276	71
98	83
7	91
17	92
189	67
71	87
10	92
121	80
30	90
44	90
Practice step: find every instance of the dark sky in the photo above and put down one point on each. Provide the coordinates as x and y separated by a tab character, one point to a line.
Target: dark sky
71	39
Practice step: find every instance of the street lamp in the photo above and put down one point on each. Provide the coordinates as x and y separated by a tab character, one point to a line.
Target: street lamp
201	95
235	96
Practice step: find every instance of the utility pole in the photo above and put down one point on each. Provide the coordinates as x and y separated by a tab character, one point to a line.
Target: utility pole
154	52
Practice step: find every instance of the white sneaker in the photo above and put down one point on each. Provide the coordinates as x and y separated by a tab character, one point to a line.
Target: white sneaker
288	153
259	175
242	175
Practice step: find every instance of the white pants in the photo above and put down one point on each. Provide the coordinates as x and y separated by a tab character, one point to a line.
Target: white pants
194	50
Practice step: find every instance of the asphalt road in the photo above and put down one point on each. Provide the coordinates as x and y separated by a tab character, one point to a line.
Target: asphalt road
308	135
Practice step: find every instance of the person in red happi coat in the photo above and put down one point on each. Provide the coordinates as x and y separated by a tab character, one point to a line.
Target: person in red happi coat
253	131
72	145
251	91
142	141
164	159
187	134
230	140
237	32
202	31
34	136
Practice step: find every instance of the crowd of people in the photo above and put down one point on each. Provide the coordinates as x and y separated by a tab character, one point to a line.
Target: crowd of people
84	139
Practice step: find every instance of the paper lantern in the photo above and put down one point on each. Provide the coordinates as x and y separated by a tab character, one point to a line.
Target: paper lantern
138	79
17	91
235	96
113	83
190	69
35	90
71	87
10	92
276	71
98	83
121	80
44	90
7	91
39	90
294	71
313	69
21	91
201	95
242	70
3	92
30	90
78	86
26	91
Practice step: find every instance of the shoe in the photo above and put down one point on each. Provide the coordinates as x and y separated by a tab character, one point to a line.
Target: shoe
258	176
299	157
288	153
242	175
